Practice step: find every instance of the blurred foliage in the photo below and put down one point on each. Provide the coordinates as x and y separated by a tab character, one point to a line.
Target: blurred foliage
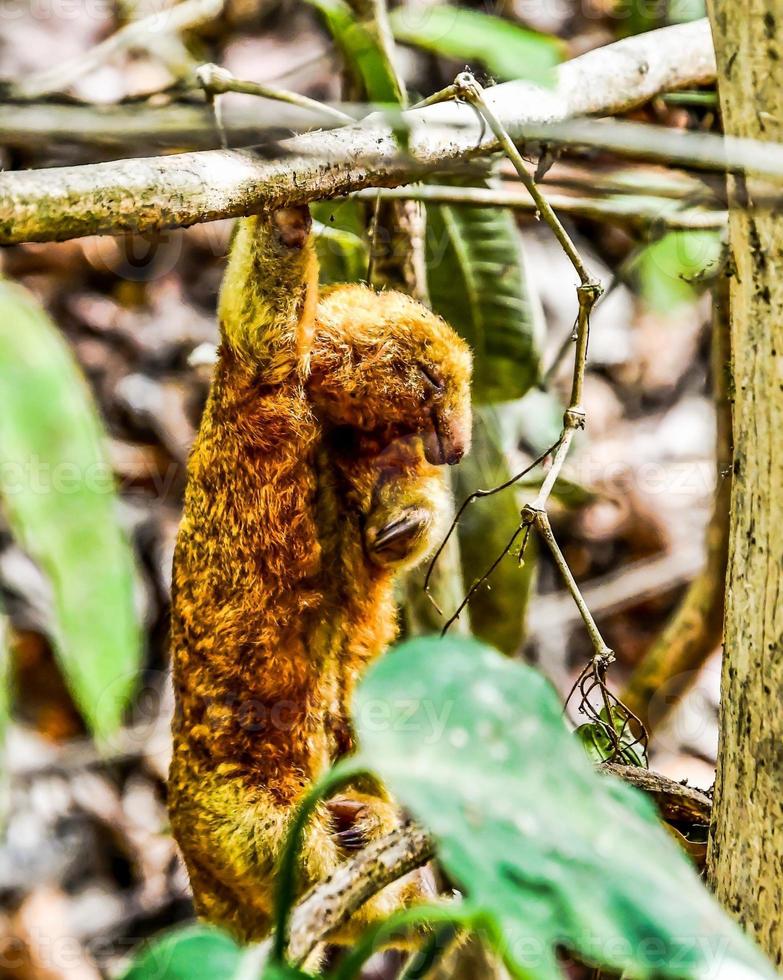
498	608
505	49
476	282
340	241
361	53
195	951
5	665
675	269
535	420
546	850
60	501
682	11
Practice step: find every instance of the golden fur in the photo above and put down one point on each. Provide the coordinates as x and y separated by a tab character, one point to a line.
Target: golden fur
308	490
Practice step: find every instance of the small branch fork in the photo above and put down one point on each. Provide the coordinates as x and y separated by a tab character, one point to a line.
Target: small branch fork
534	514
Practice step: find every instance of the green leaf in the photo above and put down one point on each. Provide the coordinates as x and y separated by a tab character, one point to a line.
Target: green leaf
498	608
665	267
476	282
339	241
505	49
196	951
279	971
475	745
58	493
598	745
185	954
361	51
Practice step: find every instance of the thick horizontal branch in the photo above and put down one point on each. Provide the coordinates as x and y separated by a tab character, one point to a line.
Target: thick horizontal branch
676	802
178	190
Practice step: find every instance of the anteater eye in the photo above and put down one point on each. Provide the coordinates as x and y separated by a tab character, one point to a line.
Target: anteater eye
432	379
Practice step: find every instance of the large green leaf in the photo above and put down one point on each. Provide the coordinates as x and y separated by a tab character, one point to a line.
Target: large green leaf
361	51
58	494
476	282
475	745
504	48
498	607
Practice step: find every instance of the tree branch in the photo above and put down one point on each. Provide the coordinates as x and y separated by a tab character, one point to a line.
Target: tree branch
675	801
627	210
164	192
329	904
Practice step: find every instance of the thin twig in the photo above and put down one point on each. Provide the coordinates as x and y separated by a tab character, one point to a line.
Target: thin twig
217	81
574	417
331	903
630	210
443	95
480	581
477	495
602	650
674	800
468	88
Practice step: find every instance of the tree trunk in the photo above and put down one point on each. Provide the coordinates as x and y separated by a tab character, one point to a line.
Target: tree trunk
746	844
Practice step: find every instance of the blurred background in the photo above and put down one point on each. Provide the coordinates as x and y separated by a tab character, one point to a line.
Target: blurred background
87	866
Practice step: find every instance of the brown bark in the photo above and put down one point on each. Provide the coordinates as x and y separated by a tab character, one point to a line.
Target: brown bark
746	847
